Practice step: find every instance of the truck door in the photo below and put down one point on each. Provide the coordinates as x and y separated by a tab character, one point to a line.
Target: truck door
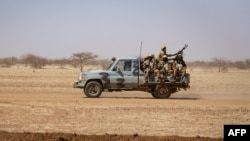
135	70
121	75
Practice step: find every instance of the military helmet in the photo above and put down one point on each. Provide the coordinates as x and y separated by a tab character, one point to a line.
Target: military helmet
180	55
163	47
150	55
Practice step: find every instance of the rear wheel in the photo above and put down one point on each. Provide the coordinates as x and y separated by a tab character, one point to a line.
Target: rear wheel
153	94
93	89
161	91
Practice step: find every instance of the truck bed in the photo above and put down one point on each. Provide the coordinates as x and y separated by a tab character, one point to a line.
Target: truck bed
171	84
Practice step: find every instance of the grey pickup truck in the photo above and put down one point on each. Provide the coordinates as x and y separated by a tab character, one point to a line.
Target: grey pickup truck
126	74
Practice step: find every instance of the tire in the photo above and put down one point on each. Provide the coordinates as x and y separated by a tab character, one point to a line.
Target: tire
154	96
161	92
173	90
93	89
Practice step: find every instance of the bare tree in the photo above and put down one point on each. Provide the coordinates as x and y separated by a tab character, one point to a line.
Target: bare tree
83	58
221	64
8	62
34	61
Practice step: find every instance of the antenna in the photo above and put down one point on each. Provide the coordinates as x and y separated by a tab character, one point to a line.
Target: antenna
140	49
139	64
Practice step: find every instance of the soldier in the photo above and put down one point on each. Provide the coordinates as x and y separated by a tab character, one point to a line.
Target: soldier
162	67
180	66
170	72
142	59
149	66
164	52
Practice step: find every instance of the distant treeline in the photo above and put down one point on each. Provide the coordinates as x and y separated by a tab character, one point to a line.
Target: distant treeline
221	64
78	60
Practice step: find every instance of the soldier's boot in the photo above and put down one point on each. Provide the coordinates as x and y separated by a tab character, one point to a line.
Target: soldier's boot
161	78
183	78
165	77
172	79
158	74
158	77
183	74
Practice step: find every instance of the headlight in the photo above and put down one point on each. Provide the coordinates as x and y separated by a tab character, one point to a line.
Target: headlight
81	76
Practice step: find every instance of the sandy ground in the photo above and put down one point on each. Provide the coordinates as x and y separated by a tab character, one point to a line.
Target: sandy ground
43	101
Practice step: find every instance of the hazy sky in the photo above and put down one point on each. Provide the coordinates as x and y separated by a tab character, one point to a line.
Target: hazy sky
59	28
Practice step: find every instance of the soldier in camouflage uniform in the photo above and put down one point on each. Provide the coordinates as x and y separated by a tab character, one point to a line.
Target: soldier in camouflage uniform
164	52
180	66
149	66
170	72
163	67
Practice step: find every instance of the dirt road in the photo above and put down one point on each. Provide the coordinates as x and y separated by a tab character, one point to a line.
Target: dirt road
126	115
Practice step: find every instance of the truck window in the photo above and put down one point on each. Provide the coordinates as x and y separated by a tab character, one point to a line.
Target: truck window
123	65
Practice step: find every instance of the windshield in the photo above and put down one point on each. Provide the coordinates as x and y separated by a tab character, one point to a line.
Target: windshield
110	65
113	60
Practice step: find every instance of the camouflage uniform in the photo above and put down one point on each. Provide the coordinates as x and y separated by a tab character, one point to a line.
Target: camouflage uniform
170	71
162	67
180	66
164	52
149	66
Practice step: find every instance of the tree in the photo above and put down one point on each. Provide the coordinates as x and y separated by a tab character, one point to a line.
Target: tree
83	58
34	61
8	62
221	64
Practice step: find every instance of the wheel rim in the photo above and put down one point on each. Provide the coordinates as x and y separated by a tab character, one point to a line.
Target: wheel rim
93	89
163	91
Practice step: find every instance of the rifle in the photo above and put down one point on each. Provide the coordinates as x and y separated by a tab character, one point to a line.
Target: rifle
180	51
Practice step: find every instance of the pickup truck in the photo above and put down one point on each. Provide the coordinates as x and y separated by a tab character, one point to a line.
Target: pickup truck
119	78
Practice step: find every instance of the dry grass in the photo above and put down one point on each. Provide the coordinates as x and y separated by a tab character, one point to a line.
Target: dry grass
15	80
229	85
232	84
44	101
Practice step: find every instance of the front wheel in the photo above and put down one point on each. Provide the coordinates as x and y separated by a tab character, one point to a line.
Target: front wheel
161	91
93	89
